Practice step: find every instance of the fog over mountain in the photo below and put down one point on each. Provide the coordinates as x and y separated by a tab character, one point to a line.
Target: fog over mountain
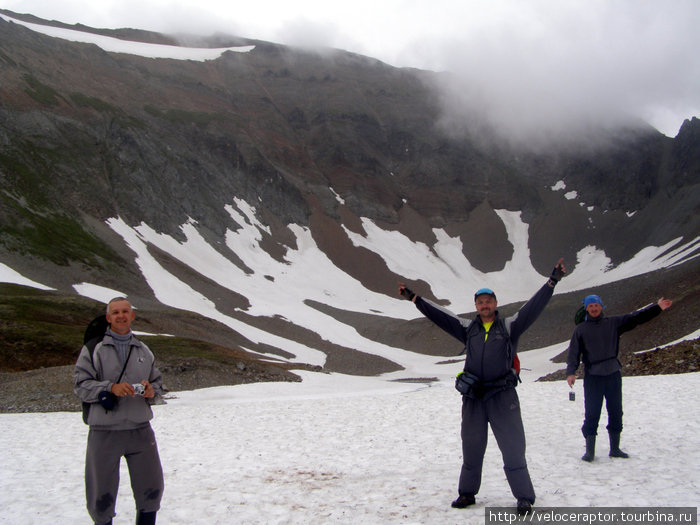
280	193
541	66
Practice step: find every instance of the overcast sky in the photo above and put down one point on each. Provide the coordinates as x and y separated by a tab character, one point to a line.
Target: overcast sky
537	64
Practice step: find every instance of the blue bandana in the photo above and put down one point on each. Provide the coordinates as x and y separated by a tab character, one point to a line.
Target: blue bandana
591	299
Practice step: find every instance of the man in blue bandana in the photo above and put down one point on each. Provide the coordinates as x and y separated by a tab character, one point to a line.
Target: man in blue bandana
596	341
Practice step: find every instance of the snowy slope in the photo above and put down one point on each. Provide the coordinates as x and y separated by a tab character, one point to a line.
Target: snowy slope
283	288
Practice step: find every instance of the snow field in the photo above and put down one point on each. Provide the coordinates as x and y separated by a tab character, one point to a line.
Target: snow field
387	457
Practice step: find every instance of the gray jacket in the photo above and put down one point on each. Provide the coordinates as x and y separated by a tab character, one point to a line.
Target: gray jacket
99	373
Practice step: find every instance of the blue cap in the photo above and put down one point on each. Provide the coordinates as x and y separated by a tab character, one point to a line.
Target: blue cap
482	291
591	299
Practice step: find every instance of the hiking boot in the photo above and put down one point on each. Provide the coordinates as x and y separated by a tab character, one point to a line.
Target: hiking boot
615	451
524	506
590	449
463	501
146	518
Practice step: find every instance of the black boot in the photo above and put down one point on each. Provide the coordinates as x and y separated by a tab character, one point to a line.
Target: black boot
615	451
524	506
146	518
590	449
464	501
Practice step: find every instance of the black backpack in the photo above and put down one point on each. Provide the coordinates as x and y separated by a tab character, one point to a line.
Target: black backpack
94	333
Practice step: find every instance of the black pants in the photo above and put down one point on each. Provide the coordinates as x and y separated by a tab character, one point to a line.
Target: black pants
595	388
502	412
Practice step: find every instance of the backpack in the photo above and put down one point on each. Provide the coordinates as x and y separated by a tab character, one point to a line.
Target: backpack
516	365
580	315
94	333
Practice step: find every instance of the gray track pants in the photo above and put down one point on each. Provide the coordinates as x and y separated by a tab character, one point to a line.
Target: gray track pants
502	411
105	449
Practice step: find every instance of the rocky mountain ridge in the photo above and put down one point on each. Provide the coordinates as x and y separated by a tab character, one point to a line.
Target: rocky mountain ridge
323	141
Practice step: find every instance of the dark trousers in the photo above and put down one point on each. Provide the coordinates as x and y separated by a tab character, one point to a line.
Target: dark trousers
104	452
595	388
502	412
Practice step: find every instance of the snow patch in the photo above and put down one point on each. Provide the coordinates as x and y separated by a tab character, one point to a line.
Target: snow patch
8	275
560	185
117	45
97	292
337	197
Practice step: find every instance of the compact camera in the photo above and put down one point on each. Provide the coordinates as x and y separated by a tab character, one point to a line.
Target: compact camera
138	389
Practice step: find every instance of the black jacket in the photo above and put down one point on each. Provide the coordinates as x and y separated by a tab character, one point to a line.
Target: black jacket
597	341
489	359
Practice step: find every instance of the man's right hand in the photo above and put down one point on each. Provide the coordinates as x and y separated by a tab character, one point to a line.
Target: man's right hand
123	389
559	271
406	292
571	380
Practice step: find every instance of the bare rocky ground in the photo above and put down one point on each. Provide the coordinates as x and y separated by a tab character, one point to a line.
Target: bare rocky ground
681	358
50	389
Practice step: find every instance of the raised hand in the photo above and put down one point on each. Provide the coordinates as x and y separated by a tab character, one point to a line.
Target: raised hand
405	292
558	272
664	303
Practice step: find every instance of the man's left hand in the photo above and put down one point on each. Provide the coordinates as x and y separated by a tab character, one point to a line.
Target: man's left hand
148	390
664	303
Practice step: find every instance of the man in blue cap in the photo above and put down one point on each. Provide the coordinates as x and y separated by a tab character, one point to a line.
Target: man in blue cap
488	385
596	340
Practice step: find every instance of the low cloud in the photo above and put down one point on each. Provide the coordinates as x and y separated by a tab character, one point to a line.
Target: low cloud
530	71
561	73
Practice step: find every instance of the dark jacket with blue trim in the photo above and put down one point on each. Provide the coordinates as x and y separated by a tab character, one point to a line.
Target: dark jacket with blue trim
489	359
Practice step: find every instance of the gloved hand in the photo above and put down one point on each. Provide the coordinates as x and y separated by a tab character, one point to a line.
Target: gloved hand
558	272
406	292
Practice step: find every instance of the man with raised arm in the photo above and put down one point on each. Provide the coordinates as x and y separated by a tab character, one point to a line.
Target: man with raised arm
488	383
596	340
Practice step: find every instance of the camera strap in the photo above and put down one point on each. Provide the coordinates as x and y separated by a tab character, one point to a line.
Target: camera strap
125	363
